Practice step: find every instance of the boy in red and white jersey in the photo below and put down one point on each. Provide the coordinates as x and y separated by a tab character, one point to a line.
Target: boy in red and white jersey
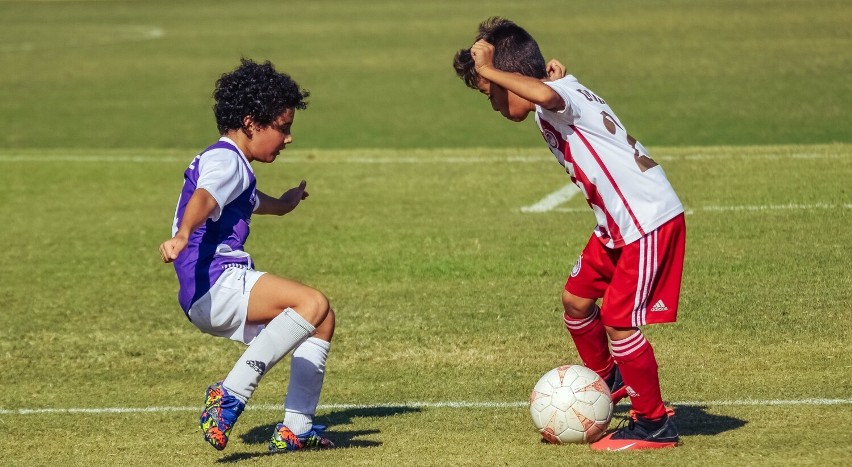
633	261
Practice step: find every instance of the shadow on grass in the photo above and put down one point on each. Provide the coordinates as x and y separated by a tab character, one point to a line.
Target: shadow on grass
261	434
694	420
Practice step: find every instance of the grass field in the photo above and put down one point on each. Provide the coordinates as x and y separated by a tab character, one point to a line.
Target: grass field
446	292
104	74
446	287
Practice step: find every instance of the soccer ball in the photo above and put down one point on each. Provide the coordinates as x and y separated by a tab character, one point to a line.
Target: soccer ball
571	404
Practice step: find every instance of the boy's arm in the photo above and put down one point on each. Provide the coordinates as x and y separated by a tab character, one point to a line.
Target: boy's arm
283	204
527	87
198	210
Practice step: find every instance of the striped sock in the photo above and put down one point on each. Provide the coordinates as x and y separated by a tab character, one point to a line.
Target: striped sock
590	339
638	367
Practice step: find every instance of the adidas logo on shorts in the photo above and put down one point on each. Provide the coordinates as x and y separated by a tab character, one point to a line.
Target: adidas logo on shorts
659	306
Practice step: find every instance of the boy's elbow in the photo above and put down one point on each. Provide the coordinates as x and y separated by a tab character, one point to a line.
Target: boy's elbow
552	101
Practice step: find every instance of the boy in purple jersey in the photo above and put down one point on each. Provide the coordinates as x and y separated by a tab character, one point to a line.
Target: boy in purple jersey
220	291
633	261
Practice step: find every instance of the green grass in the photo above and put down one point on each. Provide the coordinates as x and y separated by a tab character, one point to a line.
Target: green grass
445	291
108	74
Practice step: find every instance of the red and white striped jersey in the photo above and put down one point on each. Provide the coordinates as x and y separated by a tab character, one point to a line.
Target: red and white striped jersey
628	192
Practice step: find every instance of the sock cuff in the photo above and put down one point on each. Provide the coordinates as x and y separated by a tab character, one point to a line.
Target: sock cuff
630	348
313	350
298	422
288	316
325	345
581	325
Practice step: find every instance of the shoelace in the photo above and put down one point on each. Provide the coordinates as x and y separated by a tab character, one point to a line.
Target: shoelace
629	421
633	418
313	437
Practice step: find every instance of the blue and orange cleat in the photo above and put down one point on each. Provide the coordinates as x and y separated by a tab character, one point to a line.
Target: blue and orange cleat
221	411
641	433
284	440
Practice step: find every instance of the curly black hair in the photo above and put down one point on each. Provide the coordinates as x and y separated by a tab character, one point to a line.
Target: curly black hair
515	51
254	90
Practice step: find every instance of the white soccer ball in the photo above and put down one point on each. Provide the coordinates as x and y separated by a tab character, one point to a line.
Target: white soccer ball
571	404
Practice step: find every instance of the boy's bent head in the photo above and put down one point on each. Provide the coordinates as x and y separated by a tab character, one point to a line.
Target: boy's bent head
515	51
255	90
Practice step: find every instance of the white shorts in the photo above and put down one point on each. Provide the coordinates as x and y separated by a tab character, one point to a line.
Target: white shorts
222	311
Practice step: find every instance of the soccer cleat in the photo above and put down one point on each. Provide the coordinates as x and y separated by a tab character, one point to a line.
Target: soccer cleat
640	433
616	385
221	411
284	440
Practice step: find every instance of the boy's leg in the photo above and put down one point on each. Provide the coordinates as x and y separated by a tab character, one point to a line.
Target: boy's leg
588	281
645	289
276	340
649	427
638	366
291	311
307	372
286	309
307	368
582	318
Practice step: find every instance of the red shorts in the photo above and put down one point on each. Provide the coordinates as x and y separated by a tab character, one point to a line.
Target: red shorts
639	282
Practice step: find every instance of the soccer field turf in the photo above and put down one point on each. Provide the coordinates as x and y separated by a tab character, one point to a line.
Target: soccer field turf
447	293
445	265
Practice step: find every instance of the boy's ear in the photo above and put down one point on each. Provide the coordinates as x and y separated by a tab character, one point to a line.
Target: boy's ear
248	124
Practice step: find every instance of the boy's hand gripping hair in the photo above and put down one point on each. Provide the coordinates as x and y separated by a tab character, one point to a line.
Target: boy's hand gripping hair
483	55
555	70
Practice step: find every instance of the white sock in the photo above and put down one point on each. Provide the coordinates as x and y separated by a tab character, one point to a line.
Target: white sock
283	333
307	370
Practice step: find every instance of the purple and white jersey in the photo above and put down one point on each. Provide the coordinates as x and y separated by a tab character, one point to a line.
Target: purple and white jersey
223	171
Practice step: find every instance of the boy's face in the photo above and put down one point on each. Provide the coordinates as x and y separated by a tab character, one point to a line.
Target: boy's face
268	141
509	104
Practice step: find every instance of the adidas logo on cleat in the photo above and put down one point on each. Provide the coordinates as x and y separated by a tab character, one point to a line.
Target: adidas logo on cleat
659	306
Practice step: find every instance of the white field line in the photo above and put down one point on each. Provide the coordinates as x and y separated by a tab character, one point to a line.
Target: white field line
735	208
415	405
283	159
111	36
416	156
549	202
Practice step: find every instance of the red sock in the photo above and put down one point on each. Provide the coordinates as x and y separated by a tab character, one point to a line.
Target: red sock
638	367
590	339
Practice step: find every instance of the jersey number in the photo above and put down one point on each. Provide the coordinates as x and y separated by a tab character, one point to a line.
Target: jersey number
642	160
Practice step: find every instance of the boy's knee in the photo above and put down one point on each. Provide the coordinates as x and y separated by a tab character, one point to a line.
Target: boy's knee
577	307
316	307
325	329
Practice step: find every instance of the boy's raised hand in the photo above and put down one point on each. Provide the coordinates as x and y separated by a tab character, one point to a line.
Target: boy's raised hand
483	54
555	70
292	197
282	204
295	195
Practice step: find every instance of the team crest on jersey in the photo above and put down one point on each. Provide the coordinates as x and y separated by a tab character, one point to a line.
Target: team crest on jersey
577	266
551	139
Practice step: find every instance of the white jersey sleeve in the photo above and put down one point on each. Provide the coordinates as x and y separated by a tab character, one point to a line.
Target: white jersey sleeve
627	190
224	176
